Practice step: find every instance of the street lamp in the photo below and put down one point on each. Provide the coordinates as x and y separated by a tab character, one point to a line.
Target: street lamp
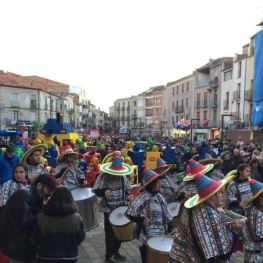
192	127
222	124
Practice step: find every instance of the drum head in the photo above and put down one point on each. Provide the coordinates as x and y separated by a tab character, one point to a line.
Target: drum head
117	217
81	194
161	243
174	208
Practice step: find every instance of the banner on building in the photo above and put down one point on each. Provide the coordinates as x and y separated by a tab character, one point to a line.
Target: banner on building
94	133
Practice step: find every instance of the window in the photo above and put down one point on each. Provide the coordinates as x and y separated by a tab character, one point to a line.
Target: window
186	117
239	69
157	100
183	87
186	101
176	119
205	115
187	85
140	103
177	89
215	72
227	75
157	111
173	90
251	84
14	97
198	115
134	103
33	102
182	102
15	114
214	115
182	116
173	105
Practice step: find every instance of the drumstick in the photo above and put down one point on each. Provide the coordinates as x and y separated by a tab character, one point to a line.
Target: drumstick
169	234
68	167
45	165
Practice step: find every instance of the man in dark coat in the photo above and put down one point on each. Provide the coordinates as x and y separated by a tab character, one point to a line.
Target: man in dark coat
20	217
236	158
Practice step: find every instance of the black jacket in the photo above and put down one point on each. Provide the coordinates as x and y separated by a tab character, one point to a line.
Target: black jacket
19	219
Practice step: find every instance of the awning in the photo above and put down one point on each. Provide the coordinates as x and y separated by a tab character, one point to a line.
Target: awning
201	131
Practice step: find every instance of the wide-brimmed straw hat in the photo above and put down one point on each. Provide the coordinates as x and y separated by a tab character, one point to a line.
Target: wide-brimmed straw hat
161	166
196	168
256	189
68	151
209	160
116	167
40	147
148	176
206	187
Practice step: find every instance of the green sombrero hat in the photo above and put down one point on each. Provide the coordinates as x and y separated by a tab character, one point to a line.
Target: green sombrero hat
206	187
209	160
40	147
116	167
256	189
196	168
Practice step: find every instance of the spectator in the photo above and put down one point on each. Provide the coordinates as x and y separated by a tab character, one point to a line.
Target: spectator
227	163
7	161
236	158
256	169
102	152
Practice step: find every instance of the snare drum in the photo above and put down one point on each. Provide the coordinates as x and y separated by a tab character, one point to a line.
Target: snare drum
121	225
87	207
158	249
135	189
174	209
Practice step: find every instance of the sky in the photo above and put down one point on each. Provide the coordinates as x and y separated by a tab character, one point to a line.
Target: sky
118	48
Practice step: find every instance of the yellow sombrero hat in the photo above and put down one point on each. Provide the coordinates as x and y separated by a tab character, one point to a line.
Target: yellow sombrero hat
196	168
206	187
209	160
230	177
40	147
256	189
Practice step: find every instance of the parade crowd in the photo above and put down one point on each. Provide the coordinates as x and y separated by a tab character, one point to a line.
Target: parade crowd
205	198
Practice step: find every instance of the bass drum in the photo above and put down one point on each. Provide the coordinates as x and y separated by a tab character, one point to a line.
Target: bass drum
122	227
87	207
174	209
158	249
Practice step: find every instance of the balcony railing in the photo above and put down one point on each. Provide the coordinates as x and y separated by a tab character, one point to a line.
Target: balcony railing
202	82
205	103
198	103
226	104
236	95
15	104
248	94
209	124
134	116
236	115
33	105
122	108
149	104
213	83
70	111
149	114
179	108
214	103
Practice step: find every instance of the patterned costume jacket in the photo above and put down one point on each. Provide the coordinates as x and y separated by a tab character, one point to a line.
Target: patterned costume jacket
35	170
153	207
208	233
119	187
184	187
168	185
73	178
253	236
7	190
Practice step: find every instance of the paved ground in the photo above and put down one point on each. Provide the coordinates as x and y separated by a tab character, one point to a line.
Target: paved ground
92	250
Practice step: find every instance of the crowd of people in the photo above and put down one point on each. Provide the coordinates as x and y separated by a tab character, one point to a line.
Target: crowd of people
218	186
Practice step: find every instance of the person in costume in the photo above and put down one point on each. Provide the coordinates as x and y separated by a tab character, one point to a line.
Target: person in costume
253	230
149	211
32	158
112	189
238	190
201	235
67	172
168	185
83	166
187	188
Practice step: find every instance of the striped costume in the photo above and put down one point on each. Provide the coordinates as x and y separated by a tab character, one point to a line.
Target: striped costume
253	235
155	208
168	186
36	170
201	236
183	188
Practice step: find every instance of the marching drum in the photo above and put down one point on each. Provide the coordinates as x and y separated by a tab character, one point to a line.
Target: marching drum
158	249
121	225
87	207
174	209
135	188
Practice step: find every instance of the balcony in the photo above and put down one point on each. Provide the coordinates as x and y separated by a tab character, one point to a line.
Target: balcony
128	108
118	109
15	104
198	103
226	104
205	104
149	104
214	103
93	115
149	114
70	111
179	108
134	116
210	124
33	105
248	95
213	83
202	82
236	95
122	118
122	108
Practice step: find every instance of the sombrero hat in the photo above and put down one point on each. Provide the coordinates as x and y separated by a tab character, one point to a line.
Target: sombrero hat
147	177
68	151
40	147
206	187
209	160
196	168
230	177
256	189
116	167
161	166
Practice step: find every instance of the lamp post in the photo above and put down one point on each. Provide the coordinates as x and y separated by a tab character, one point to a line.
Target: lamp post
192	127
222	124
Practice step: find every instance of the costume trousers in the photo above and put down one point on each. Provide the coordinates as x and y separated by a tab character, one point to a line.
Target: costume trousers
112	244
143	251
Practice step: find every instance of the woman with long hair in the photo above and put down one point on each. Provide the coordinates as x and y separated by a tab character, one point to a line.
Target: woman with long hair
60	229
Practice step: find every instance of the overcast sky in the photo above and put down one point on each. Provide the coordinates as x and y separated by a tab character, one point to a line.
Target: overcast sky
115	49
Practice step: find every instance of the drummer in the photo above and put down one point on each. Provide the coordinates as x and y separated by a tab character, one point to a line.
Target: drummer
149	211
168	185
67	173
201	235
113	189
